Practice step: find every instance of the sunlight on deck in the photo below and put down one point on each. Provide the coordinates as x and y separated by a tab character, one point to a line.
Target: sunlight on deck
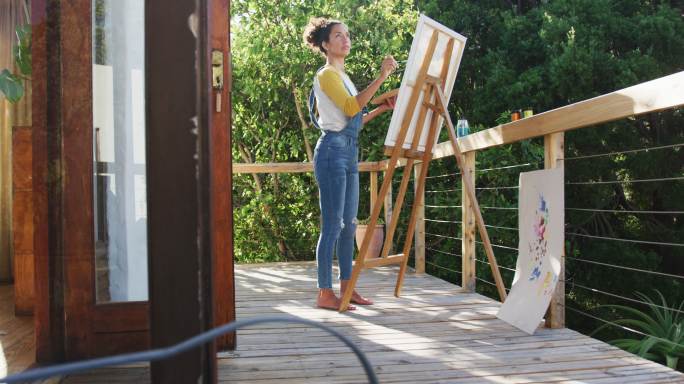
433	333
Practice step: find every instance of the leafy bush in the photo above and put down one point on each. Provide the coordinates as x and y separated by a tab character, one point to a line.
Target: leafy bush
662	326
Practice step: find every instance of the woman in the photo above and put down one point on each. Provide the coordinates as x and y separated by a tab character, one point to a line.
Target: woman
341	116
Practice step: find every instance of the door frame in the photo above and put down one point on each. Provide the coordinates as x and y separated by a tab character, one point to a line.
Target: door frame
69	325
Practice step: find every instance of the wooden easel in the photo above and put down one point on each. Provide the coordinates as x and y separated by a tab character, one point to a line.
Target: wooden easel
433	90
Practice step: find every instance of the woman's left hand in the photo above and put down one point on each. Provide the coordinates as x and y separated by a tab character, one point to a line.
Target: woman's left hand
389	103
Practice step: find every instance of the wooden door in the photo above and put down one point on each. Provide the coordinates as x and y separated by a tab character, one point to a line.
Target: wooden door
125	121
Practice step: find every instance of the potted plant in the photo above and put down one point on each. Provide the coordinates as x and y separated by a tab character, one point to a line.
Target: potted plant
376	242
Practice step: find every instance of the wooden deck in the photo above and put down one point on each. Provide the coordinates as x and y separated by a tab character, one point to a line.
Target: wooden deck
17	351
432	334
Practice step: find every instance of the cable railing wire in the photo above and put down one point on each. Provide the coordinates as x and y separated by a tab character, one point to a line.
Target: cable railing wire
497	188
500	227
485	281
626	211
446	253
574	284
570	234
490	283
623	152
498	246
442	206
626	240
500	208
478	189
186	345
443	236
625	181
441	267
443	221
461	206
626	268
444	190
500	266
484	170
507	167
444	175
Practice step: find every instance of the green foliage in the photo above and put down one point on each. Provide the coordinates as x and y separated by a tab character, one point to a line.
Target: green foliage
366	221
11	85
22	51
663	324
556	53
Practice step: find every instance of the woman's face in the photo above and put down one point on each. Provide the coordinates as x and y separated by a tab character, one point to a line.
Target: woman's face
339	42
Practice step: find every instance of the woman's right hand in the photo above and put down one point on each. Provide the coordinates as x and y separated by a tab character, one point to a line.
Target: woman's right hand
388	66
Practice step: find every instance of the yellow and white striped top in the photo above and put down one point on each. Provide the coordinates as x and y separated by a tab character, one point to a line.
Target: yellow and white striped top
335	104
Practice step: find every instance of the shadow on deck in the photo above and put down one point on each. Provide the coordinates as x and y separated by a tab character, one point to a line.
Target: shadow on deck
433	333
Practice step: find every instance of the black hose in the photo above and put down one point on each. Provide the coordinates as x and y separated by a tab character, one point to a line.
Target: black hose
164	353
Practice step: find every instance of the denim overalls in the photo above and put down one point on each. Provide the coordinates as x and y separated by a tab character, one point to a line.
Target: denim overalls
337	174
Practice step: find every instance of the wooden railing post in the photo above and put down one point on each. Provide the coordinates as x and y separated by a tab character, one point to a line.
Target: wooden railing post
373	190
468	227
419	250
553	158
388	209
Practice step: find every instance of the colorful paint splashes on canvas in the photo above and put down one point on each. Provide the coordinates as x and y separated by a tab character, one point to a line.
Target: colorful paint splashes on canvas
538	248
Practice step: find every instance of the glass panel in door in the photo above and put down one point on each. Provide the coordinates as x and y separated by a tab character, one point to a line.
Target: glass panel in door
119	182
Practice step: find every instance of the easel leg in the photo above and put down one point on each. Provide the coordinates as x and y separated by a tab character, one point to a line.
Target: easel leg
412	221
360	258
420	188
470	189
392	226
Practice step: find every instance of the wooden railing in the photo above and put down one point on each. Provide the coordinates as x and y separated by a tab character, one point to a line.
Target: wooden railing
652	96
372	167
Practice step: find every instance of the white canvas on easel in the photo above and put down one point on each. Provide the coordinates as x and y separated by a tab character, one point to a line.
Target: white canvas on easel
541	218
421	40
422	107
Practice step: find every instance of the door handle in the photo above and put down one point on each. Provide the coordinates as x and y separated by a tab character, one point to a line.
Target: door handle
217	75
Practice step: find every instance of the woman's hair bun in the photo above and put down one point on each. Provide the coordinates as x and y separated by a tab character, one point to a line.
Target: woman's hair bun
317	31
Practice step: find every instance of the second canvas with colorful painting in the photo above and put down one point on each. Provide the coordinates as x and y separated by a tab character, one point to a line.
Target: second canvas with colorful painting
541	217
